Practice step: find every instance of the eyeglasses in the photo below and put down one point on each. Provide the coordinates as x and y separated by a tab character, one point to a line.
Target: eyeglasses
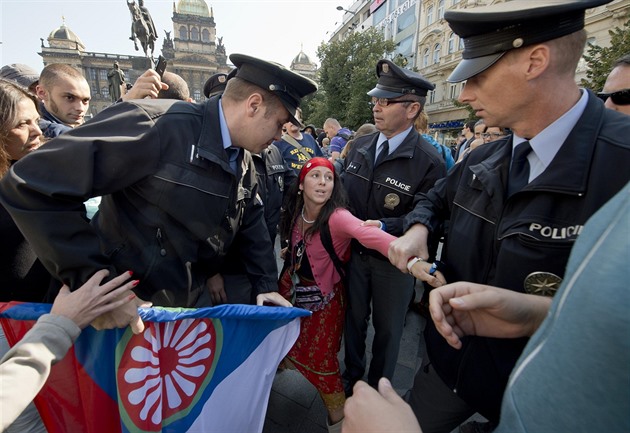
492	134
384	102
621	97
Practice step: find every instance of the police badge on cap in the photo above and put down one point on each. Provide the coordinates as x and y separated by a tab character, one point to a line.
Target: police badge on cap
488	32
394	81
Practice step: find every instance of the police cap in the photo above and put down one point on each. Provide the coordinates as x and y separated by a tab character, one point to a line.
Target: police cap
394	81
275	78
490	31
215	84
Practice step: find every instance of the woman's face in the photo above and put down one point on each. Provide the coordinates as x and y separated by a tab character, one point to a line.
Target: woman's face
318	185
25	136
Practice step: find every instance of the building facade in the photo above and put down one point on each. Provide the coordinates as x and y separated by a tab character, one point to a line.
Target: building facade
425	43
194	52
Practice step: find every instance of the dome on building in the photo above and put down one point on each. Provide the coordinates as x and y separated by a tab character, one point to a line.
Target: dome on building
193	7
301	59
64	36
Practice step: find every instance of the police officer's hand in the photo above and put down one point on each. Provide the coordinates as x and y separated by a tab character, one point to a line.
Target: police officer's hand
148	85
371	411
274	298
465	308
216	288
412	244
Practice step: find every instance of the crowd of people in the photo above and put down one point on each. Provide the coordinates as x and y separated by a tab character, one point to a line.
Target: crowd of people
530	209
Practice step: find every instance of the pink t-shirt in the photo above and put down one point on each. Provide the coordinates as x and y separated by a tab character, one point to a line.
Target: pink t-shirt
343	228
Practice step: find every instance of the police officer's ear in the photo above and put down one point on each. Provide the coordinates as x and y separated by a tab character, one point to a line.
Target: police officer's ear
537	58
254	104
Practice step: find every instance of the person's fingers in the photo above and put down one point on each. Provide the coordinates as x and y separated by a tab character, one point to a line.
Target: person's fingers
386	390
65	290
98	277
137	325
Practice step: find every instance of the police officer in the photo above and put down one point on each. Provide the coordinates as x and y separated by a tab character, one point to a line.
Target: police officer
386	173
517	205
273	175
177	187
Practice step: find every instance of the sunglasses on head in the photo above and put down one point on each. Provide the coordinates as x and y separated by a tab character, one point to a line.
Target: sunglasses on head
621	97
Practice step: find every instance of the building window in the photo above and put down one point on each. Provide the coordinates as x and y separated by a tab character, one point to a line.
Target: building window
431	96
93	88
102	74
430	15
406	19
92	73
461	44
197	95
452	91
205	35
105	92
183	33
405	47
436	53
451	43
441	9
425	58
379	15
194	34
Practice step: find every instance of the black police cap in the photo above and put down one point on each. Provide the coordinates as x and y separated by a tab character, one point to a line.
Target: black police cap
394	81
215	84
275	78
490	31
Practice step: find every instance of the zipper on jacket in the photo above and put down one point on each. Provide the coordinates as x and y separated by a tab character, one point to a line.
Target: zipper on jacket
158	236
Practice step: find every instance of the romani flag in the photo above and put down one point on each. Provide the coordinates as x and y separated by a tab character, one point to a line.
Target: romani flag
191	370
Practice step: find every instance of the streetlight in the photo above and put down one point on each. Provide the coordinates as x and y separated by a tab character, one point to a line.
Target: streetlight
339	8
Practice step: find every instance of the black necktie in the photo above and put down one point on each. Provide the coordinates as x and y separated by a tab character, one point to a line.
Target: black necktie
383	154
519	173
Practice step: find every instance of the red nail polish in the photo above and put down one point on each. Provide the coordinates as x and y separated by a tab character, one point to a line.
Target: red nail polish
130	273
135	283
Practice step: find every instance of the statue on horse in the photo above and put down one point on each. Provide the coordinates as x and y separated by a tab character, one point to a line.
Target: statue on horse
142	27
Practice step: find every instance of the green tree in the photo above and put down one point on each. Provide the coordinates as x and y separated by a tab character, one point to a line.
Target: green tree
601	59
347	73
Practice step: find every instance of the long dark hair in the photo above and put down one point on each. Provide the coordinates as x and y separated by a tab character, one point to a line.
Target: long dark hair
294	201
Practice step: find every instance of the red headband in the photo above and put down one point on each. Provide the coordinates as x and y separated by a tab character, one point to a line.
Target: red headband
315	162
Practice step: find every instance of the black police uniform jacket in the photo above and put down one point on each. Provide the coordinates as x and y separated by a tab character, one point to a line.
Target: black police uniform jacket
390	190
500	241
171	204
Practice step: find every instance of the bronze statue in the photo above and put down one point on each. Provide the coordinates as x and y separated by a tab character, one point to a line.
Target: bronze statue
115	78
142	27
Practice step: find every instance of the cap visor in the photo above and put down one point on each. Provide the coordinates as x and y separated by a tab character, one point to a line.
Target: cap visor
380	93
468	68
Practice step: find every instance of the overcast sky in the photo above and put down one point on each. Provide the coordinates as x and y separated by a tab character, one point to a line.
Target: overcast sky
269	29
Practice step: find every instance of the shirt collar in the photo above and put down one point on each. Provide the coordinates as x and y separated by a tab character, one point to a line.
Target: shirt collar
225	132
395	141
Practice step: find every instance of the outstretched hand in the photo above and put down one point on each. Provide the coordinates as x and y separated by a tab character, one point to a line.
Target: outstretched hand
464	308
93	299
371	411
148	85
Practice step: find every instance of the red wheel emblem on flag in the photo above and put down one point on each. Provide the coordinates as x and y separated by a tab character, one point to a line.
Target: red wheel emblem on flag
162	372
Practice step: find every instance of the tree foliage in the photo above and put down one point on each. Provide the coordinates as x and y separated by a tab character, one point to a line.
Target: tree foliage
347	73
601	59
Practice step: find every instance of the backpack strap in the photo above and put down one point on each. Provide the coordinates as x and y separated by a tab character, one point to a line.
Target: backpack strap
293	142
326	238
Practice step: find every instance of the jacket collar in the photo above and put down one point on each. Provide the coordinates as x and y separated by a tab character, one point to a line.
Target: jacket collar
569	170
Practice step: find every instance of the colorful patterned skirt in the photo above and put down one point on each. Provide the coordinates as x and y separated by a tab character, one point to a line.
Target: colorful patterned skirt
314	354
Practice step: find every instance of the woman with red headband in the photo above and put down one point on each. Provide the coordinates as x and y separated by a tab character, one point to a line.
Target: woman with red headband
316	211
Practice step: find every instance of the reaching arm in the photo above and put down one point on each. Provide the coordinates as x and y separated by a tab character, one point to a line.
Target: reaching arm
26	367
464	308
147	85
